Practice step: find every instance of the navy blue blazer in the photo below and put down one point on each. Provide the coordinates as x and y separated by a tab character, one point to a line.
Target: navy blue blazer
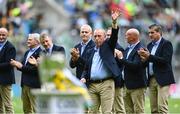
56	48
134	69
80	63
7	53
30	76
162	62
107	55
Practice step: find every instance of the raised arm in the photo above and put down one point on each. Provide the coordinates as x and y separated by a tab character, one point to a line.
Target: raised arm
114	36
114	15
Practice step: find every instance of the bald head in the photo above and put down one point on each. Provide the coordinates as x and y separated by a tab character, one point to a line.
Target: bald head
133	31
132	36
3	35
3	30
99	36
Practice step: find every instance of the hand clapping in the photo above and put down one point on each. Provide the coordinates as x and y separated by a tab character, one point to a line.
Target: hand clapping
75	54
144	54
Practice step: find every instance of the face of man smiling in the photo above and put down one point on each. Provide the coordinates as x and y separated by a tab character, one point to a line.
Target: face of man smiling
3	35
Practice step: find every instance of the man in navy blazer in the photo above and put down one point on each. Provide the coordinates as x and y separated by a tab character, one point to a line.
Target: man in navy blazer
30	76
134	73
7	52
79	52
49	47
101	68
158	58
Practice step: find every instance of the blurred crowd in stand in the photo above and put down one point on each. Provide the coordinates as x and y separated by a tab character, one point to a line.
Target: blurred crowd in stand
17	16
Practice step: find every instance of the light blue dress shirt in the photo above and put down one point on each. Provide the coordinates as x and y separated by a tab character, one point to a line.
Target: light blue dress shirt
31	51
98	70
153	51
131	47
2	45
49	51
84	45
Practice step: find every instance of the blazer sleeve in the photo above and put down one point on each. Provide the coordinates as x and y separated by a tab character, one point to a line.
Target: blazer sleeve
11	54
29	69
133	65
113	39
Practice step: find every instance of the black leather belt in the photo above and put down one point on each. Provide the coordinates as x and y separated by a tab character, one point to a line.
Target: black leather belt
99	81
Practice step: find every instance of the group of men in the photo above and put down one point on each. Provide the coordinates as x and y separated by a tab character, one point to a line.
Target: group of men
28	67
116	78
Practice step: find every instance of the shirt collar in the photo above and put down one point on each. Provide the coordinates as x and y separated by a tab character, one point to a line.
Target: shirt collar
131	46
157	42
49	49
82	43
2	44
33	49
96	49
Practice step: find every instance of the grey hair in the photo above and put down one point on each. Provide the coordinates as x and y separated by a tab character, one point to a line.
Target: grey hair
35	36
88	26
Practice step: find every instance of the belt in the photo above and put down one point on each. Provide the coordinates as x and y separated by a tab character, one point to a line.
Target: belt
99	81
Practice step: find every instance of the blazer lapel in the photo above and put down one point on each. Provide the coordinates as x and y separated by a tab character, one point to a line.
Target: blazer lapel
133	51
36	53
86	48
91	57
126	52
79	47
150	46
159	47
25	56
3	49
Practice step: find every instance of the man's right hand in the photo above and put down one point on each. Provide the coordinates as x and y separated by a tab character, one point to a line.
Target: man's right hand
16	64
75	54
83	80
118	54
144	54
